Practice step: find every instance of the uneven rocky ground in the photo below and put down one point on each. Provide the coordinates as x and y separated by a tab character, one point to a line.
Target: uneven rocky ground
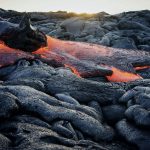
44	108
130	30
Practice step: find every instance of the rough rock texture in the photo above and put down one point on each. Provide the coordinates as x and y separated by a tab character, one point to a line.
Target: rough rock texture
47	107
44	108
129	30
22	36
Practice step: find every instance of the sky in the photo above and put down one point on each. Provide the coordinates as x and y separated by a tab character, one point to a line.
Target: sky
79	6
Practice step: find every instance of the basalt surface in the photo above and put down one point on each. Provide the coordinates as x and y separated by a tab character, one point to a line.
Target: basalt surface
51	108
44	107
129	30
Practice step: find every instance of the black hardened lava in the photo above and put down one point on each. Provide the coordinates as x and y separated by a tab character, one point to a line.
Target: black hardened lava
23	36
45	107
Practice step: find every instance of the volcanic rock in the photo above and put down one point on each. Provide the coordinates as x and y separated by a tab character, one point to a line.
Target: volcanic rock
5	143
73	25
134	135
8	105
124	43
135	26
132	25
138	110
79	109
44	107
113	113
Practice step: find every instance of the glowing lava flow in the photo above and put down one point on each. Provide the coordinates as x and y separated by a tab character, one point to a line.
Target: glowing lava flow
82	51
74	70
122	76
141	68
9	56
77	49
82	58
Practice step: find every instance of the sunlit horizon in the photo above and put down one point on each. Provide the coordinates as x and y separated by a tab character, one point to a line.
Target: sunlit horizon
78	6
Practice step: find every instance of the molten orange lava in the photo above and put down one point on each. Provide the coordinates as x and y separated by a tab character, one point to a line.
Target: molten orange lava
9	56
69	53
77	49
122	76
83	50
74	70
141	68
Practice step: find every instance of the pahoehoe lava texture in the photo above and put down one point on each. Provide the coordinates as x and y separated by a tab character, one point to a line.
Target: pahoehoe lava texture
51	108
44	108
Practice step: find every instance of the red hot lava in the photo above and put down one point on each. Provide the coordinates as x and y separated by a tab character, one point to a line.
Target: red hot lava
84	51
9	55
122	76
80	58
